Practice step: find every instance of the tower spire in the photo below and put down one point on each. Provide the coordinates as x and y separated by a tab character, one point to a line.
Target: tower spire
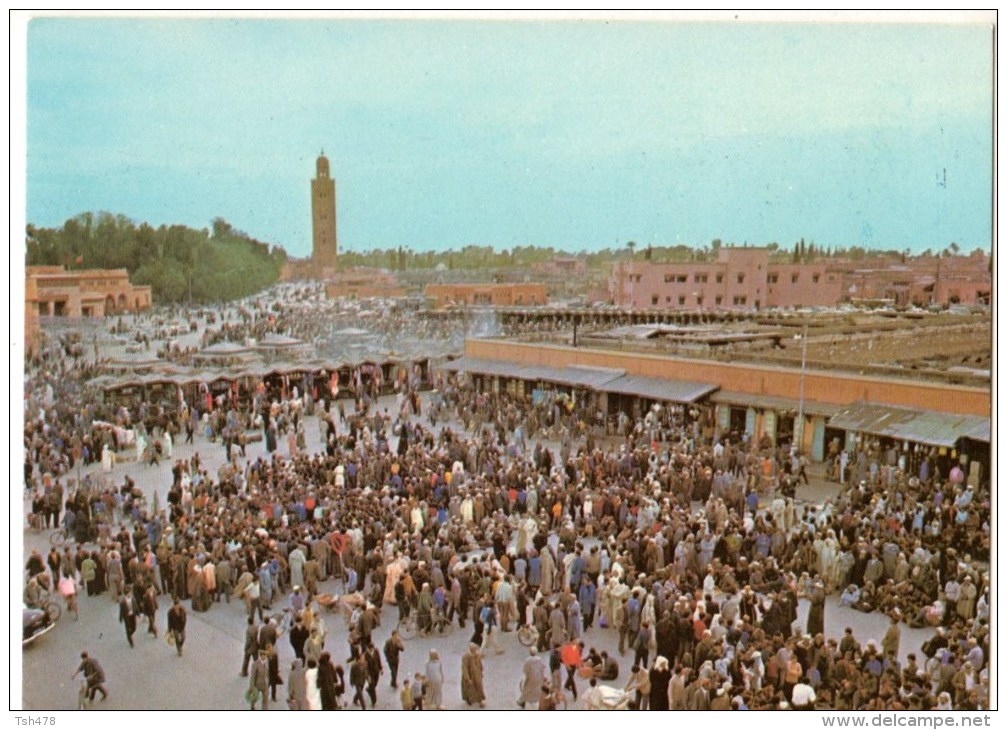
323	213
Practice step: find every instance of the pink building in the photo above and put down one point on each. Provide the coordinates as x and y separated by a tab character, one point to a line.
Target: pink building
743	278
963	280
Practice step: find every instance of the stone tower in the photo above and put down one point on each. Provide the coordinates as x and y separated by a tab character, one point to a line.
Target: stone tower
323	215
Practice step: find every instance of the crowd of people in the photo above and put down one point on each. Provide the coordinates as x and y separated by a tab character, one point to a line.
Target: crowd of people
688	545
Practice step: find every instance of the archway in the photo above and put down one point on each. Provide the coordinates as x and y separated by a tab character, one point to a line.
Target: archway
123	302
109	304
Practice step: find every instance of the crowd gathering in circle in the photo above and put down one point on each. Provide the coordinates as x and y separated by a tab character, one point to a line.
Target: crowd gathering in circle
458	508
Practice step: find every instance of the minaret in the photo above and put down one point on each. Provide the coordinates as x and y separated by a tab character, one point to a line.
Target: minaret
323	215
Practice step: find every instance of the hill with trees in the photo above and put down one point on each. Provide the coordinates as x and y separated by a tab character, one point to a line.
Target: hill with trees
179	263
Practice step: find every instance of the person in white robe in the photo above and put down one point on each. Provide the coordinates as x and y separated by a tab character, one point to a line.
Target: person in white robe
107	459
393	574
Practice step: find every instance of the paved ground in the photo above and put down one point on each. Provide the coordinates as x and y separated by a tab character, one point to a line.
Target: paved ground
152	677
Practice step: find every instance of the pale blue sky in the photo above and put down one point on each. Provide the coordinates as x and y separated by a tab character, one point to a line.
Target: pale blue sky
572	134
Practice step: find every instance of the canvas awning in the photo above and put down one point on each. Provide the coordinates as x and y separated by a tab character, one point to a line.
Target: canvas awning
485	366
599	379
773	403
935	428
673	391
583	376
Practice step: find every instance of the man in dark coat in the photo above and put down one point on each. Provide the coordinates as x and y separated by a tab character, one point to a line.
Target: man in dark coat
374	672
176	624
267	634
94	675
816	612
127	613
358	678
393	648
298	636
251	645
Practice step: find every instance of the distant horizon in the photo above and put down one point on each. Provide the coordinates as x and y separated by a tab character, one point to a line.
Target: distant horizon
579	136
782	247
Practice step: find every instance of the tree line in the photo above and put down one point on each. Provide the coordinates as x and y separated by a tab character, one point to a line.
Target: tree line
489	257
179	263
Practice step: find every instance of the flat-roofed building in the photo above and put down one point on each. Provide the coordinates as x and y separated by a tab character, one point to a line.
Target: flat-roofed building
490	295
744	278
52	291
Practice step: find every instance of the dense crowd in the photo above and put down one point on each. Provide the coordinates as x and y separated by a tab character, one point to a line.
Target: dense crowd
689	545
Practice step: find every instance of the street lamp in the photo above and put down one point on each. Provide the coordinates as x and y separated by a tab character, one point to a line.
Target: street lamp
799	426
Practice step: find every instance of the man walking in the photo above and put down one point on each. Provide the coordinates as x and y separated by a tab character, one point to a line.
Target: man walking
258	681
150	609
94	675
127	613
176	624
251	645
358	679
268	634
298	638
393	648
374	672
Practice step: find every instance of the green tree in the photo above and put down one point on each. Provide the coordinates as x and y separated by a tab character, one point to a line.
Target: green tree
173	260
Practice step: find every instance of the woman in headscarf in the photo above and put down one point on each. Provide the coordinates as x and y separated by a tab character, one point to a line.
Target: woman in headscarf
660	678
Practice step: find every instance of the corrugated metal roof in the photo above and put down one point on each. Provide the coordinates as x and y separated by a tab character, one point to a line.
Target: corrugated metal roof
772	402
981	431
485	366
675	391
936	428
585	376
577	375
606	380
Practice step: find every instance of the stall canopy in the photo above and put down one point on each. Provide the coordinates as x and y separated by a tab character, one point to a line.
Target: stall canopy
672	391
484	366
935	428
585	376
981	431
604	380
577	376
774	403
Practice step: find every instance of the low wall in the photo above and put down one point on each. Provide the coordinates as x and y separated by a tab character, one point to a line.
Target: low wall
823	386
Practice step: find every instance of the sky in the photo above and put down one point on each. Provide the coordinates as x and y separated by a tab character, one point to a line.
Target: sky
580	135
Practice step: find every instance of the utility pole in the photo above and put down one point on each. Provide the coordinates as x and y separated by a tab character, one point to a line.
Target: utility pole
799	427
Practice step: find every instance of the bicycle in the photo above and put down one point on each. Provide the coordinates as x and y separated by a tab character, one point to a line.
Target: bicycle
59	538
